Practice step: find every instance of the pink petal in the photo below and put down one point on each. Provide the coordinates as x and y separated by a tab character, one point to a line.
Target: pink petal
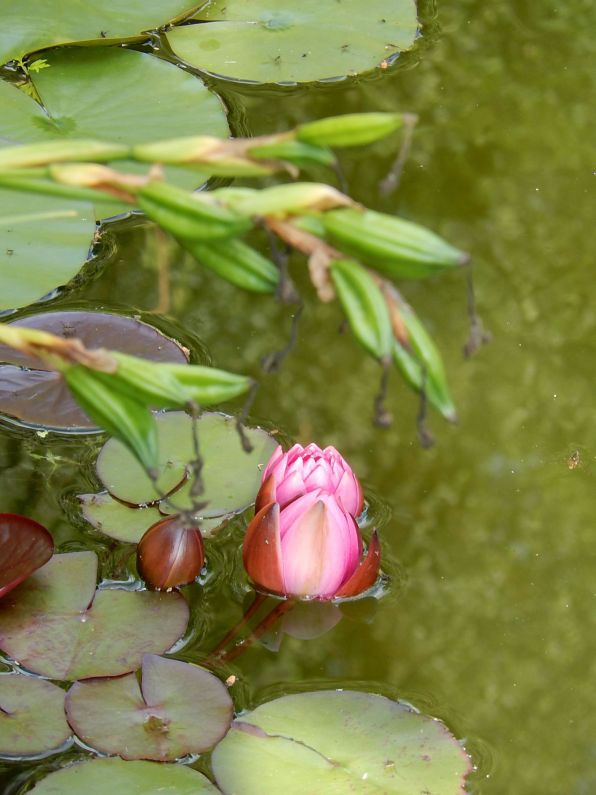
291	487
349	492
276	457
317	551
295	510
320	478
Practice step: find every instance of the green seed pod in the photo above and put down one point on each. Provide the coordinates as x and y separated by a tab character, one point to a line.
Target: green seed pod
119	414
353	129
296	152
208	385
146	381
61	152
236	262
365	307
423	364
396	247
28	183
201	151
189	215
282	200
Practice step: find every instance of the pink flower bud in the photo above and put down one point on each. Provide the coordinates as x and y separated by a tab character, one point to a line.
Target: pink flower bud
305	470
311	548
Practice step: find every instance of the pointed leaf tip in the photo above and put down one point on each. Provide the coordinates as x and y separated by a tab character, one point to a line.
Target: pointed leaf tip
261	551
367	572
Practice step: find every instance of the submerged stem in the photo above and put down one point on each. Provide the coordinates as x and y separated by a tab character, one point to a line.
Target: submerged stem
266	623
478	334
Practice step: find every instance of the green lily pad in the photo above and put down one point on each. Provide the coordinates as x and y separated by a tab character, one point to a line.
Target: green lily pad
231	477
290	42
129	523
31	716
109	776
115	519
31	393
56	624
339	742
44	241
116	95
32	24
177	709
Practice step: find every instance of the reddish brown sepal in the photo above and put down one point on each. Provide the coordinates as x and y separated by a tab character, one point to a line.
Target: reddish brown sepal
266	493
170	554
261	551
25	546
367	572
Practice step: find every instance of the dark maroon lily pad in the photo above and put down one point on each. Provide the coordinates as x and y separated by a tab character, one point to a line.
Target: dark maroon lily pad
56	624
339	741
31	716
25	545
177	709
34	395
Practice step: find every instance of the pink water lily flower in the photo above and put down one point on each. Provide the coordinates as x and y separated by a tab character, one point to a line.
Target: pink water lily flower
312	548
304	470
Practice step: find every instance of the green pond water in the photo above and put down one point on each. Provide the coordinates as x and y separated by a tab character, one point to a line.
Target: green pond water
489	619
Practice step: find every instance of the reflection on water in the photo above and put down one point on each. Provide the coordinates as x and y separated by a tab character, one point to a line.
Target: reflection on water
492	625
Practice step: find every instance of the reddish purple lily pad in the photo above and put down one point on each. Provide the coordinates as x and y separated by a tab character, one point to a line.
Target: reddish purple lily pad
56	624
339	741
31	716
40	397
177	709
25	545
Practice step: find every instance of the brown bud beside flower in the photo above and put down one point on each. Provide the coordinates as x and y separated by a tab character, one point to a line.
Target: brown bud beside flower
170	554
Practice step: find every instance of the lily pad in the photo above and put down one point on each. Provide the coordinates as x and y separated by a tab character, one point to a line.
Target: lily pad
116	95
294	42
44	241
125	522
56	624
339	742
39	397
177	709
31	716
109	776
25	545
32	24
115	519
231	477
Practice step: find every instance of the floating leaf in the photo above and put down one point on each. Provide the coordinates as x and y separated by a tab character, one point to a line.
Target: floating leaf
57	625
340	742
231	476
136	98
31	716
124	522
34	24
109	776
289	42
44	242
40	397
177	709
24	546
